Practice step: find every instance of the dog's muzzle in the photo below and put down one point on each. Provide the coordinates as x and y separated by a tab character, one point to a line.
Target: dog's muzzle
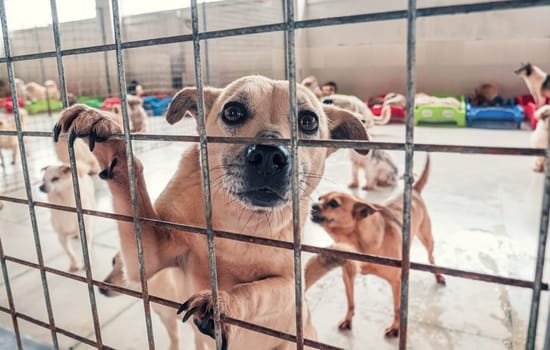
42	188
267	175
316	216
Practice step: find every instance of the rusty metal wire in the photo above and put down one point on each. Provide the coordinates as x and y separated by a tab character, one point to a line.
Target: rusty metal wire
288	26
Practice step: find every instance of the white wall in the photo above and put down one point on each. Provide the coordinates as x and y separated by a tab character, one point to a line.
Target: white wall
454	53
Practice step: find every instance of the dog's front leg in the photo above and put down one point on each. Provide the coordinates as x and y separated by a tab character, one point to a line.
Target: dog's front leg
349	270
97	128
259	300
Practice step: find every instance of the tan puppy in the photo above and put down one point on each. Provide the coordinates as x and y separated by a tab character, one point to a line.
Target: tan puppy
35	91
539	137
537	81
164	284
52	91
370	229
423	99
353	104
137	114
256	282
7	123
58	184
484	95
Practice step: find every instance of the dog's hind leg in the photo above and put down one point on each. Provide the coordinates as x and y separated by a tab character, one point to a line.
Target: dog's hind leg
395	282
66	244
166	315
426	237
349	270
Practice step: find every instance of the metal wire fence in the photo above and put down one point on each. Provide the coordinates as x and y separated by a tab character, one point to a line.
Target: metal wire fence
198	38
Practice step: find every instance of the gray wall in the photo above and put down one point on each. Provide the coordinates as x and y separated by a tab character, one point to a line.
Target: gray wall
454	53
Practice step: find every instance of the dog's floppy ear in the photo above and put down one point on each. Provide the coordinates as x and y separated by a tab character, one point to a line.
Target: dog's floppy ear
344	125
185	102
65	169
361	210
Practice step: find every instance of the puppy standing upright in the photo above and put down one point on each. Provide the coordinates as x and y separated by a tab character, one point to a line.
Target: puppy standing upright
256	282
58	184
370	229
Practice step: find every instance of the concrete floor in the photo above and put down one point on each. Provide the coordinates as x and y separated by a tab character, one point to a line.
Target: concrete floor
485	212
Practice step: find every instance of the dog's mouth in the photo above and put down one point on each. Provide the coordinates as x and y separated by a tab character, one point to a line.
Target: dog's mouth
317	218
263	197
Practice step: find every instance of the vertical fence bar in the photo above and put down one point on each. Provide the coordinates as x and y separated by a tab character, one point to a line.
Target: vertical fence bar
101	14
205	172
409	154
9	295
290	55
131	171
541	254
26	177
76	186
206	60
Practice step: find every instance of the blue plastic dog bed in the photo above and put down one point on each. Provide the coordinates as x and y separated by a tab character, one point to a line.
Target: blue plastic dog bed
506	116
156	106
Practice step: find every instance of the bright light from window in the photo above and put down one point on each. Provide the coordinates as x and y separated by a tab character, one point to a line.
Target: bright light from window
24	14
131	7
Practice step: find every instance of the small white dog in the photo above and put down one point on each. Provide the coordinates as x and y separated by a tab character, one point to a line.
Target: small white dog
58	184
7	123
378	166
136	114
539	137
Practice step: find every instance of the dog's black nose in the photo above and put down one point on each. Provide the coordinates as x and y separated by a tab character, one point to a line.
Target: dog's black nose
42	188
267	160
315	207
104	291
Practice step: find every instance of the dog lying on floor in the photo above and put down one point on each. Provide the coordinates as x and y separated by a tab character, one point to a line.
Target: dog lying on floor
256	282
364	227
7	123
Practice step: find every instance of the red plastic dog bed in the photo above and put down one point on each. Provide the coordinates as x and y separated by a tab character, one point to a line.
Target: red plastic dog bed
528	104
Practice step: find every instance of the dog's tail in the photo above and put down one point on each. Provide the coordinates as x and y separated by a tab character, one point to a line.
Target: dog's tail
421	182
321	264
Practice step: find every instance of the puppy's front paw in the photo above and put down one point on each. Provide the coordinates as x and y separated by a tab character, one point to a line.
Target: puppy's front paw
201	307
353	185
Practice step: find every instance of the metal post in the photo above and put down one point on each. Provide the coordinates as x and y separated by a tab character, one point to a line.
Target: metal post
76	186
291	70
26	176
409	154
131	171
201	119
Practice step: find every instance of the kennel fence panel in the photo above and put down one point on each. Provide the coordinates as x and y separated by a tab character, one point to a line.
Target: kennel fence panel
288	26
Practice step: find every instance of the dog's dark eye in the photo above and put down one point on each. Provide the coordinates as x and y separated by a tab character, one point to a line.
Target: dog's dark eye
234	113
309	123
54	179
327	101
333	203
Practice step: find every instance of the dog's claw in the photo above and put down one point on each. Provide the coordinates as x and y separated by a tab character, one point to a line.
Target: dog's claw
189	314
91	140
56	132
183	307
107	174
225	344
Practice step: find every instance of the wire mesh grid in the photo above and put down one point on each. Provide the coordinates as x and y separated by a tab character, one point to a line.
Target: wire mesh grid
198	37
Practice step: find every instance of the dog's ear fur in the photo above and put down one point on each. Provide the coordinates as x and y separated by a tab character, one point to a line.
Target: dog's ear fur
344	125
361	210
185	102
65	169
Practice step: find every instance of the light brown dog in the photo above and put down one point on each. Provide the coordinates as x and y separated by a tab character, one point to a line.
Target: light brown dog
370	229
136	114
7	123
57	183
484	95
251	194
35	91
539	137
52	91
